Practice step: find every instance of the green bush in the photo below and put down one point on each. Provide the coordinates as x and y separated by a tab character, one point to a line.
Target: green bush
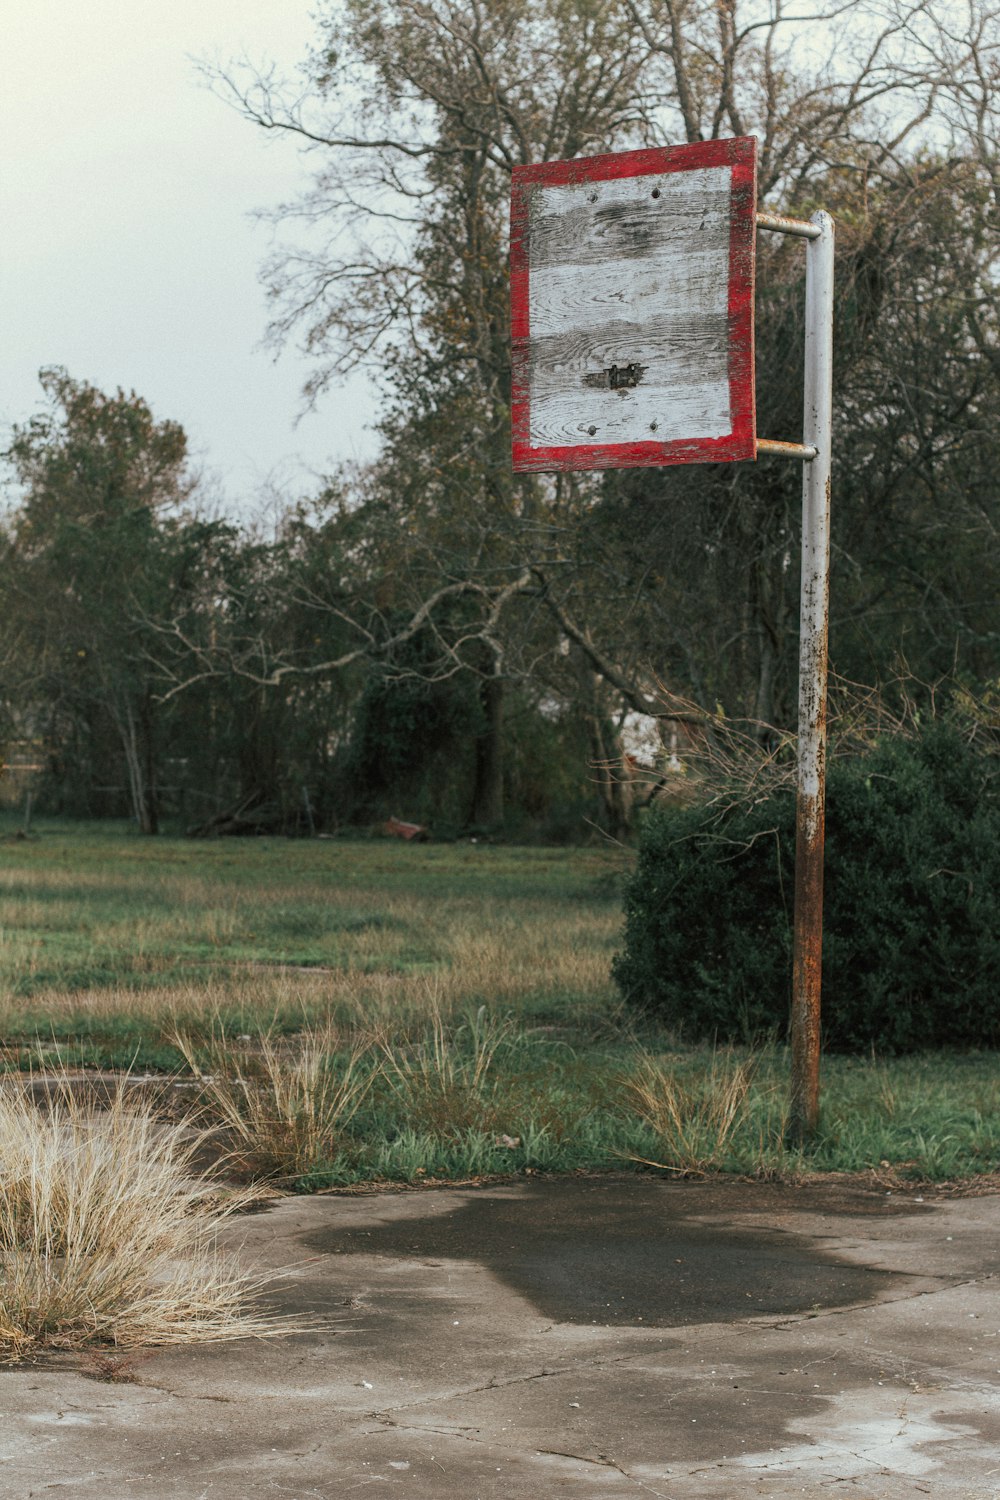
912	907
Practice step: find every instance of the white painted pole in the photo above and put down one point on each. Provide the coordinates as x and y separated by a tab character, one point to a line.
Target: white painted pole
815	603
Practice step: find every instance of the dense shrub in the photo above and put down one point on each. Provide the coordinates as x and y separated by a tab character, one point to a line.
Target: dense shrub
912	908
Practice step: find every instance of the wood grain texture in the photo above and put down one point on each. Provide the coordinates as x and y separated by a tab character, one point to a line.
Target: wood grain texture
639	261
567	299
621	220
670	344
683	390
665	413
670	299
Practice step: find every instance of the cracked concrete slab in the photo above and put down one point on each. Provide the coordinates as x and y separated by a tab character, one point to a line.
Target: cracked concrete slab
585	1338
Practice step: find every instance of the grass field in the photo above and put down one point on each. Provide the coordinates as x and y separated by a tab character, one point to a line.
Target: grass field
372	1010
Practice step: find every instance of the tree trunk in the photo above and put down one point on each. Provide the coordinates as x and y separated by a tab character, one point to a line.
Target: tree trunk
607	761
487	795
608	767
137	763
151	796
770	611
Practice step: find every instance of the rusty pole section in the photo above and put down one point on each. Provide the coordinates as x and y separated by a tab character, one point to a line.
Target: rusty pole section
814	614
807	229
785	450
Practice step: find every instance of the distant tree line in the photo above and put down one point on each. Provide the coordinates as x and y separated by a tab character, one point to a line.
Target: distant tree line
159	661
433	635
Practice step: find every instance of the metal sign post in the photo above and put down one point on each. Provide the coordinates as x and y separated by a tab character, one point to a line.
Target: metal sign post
632	282
813	620
814	610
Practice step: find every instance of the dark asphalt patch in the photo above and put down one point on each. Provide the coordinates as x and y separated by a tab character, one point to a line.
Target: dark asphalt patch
628	1252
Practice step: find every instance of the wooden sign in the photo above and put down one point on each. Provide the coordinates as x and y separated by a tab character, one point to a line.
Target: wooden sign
632	281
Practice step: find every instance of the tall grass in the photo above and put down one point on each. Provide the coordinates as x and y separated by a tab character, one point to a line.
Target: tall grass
446	1083
107	1234
696	1118
93	911
281	1109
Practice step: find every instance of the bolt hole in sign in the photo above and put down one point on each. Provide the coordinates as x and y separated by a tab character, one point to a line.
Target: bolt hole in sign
632	293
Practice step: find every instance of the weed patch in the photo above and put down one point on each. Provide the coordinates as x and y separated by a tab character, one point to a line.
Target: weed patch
280	1110
694	1120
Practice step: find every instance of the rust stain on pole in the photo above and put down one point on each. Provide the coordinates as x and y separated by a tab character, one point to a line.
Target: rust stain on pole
786	450
810	830
807	970
807	229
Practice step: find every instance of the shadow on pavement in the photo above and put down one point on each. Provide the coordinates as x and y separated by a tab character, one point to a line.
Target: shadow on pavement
631	1251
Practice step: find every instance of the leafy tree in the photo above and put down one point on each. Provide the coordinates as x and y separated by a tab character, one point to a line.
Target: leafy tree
417	272
87	561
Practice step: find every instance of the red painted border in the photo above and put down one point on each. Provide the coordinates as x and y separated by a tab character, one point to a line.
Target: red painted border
739	153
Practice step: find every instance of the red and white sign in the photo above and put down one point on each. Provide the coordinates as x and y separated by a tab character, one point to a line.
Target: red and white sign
632	287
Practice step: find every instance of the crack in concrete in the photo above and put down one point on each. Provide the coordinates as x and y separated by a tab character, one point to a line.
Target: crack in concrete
601	1461
300	1493
494	1384
597	1363
604	1461
469	1435
795	1320
388	1420
151	1385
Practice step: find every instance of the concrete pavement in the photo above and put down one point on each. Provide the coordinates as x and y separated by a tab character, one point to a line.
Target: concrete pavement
586	1338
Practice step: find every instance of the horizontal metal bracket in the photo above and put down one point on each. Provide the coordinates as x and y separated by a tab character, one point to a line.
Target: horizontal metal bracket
781	224
787	450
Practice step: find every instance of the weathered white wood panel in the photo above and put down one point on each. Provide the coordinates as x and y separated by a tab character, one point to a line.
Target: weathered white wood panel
578	298
660	413
632	307
650	255
621	219
670	340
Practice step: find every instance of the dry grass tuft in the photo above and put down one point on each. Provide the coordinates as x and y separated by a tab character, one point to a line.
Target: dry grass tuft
107	1236
282	1109
694	1119
446	1083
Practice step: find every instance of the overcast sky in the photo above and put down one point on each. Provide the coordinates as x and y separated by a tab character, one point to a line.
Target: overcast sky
128	253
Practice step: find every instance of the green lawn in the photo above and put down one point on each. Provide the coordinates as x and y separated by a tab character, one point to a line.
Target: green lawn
470	984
